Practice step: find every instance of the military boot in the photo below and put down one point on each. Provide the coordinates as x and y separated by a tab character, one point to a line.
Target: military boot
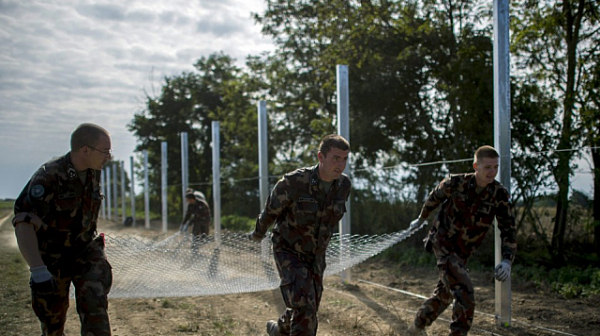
413	330
273	328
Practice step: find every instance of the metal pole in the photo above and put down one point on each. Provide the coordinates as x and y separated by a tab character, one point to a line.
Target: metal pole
123	212
263	170
164	184
132	192
263	163
216	180
343	128
115	193
502	139
146	192
108	194
103	190
184	170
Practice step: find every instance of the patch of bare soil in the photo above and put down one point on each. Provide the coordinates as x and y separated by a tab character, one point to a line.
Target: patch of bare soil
380	299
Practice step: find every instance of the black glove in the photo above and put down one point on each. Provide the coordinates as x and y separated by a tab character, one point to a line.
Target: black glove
42	282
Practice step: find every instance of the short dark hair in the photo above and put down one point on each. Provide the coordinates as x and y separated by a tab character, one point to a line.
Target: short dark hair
486	151
333	140
87	135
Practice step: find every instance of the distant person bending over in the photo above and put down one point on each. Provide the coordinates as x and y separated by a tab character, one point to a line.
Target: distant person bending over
305	206
469	204
55	224
197	215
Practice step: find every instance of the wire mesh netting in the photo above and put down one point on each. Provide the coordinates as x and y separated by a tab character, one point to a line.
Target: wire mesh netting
177	265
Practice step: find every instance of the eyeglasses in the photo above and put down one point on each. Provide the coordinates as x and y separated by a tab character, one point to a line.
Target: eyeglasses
106	153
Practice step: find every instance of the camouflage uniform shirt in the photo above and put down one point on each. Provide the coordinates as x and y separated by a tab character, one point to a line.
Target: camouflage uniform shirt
198	215
305	216
62	209
466	216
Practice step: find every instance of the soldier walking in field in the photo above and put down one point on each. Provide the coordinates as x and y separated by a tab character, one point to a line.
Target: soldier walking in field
197	215
305	206
469	204
55	223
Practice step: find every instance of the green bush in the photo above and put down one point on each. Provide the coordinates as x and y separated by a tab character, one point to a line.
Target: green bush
569	282
238	223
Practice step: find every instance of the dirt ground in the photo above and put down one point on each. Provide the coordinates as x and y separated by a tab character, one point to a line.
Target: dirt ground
380	299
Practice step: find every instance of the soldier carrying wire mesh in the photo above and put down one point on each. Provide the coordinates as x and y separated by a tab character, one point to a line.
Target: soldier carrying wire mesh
469	203
305	206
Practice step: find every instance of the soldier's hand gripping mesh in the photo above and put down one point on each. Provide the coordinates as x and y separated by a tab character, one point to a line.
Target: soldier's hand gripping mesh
42	281
502	271
417	223
253	236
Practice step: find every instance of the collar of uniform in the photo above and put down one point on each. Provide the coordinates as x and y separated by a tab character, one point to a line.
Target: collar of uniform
315	177
473	183
71	171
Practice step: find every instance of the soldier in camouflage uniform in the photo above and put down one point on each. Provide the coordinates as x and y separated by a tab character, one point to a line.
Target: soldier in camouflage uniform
198	215
55	222
305	206
469	204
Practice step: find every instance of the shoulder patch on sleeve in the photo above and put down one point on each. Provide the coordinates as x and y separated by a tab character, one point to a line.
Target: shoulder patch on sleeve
37	191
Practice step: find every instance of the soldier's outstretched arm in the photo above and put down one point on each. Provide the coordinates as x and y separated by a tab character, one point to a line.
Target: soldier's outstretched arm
275	205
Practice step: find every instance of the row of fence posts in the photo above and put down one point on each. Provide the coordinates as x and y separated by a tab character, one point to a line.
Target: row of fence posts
110	207
501	137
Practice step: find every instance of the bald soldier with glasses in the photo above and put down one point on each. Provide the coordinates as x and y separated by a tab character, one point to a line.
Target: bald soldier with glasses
55	223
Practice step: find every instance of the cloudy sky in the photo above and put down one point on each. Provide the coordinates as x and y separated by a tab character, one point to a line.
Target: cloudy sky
65	62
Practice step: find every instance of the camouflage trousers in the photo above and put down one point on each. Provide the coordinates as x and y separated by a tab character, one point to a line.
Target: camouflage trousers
454	284
91	275
199	229
301	289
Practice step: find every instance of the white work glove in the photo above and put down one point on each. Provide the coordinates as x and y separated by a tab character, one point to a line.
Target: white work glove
416	223
184	227
42	281
502	270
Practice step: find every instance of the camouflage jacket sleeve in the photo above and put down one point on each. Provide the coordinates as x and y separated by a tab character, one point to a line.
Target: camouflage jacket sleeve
189	213
275	206
33	204
506	224
441	192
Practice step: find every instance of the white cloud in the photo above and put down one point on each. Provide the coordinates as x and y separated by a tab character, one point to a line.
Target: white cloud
65	62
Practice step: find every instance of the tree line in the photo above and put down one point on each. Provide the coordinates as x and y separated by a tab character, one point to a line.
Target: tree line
421	90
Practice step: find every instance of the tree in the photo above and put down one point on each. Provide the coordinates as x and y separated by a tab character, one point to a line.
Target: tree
421	79
552	40
190	103
590	100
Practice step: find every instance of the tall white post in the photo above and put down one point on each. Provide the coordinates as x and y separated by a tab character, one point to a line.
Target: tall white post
123	212
502	138
103	191
115	193
184	170
108	193
132	192
343	128
146	192
263	169
216	157
263	161
163	180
